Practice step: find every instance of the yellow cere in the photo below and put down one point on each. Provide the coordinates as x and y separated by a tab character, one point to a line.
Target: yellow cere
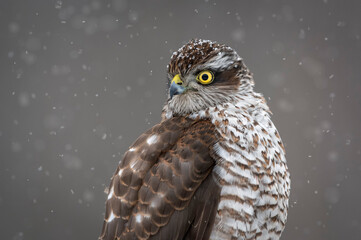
205	77
177	79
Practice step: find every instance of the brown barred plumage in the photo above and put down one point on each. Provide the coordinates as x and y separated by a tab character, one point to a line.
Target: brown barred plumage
213	168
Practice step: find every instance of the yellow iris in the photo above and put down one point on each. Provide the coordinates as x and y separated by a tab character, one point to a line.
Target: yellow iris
205	77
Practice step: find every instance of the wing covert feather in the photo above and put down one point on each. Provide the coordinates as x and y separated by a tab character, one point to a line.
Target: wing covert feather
155	192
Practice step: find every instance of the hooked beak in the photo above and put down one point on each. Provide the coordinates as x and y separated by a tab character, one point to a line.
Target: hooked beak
176	86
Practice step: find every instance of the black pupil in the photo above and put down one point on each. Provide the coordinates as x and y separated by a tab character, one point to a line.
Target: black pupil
204	77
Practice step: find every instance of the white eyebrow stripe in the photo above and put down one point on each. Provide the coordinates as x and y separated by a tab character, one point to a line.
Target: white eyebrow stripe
220	61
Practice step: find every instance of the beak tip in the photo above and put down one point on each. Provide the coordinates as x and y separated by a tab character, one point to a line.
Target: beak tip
175	89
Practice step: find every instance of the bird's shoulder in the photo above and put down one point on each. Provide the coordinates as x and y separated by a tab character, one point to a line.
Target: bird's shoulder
157	180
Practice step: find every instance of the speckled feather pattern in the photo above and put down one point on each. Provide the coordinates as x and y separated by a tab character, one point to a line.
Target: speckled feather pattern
195	54
214	168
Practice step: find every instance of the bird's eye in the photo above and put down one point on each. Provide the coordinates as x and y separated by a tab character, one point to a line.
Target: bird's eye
205	77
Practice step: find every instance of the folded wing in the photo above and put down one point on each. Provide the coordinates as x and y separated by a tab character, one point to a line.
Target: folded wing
163	188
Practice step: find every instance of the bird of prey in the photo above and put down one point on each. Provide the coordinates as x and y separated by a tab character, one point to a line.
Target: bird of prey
213	168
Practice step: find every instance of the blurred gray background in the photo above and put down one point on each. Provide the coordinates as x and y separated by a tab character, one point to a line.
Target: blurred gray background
81	80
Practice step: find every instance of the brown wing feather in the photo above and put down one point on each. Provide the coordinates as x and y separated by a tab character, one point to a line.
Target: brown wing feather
154	192
195	222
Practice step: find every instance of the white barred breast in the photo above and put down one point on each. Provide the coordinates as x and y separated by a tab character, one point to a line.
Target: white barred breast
251	170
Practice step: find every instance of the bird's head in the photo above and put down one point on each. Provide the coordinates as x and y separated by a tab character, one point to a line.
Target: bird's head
204	74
